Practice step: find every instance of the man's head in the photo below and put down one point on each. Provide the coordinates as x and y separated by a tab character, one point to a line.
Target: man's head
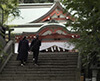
24	37
34	36
37	36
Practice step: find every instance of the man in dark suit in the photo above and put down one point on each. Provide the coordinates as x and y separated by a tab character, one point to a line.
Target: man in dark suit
23	49
34	47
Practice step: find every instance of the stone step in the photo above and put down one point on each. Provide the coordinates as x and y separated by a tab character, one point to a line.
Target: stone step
43	63
56	53
43	66
38	78
39	69
47	61
39	72
52	67
48	58
27	74
53	55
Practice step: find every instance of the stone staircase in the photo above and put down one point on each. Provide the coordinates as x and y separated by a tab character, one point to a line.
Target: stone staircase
57	66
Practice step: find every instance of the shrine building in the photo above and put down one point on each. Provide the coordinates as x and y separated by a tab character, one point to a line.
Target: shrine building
48	21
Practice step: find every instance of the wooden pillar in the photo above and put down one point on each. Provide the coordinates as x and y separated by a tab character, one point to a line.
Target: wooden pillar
9	34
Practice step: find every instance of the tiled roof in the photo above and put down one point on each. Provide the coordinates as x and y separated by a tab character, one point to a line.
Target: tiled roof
33	13
27	15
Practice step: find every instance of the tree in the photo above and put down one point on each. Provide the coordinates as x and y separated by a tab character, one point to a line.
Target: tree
8	7
87	25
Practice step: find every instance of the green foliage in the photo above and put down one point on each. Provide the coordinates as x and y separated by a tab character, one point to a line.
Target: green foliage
8	7
87	25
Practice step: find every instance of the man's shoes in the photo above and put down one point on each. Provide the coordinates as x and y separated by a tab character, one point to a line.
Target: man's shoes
22	65
36	64
33	59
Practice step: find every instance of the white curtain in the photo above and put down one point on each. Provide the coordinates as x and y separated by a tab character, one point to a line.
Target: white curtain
45	45
64	45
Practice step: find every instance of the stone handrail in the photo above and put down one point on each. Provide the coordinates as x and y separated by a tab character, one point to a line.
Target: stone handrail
7	52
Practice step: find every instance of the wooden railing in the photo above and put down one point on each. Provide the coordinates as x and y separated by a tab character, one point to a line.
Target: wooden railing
6	53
